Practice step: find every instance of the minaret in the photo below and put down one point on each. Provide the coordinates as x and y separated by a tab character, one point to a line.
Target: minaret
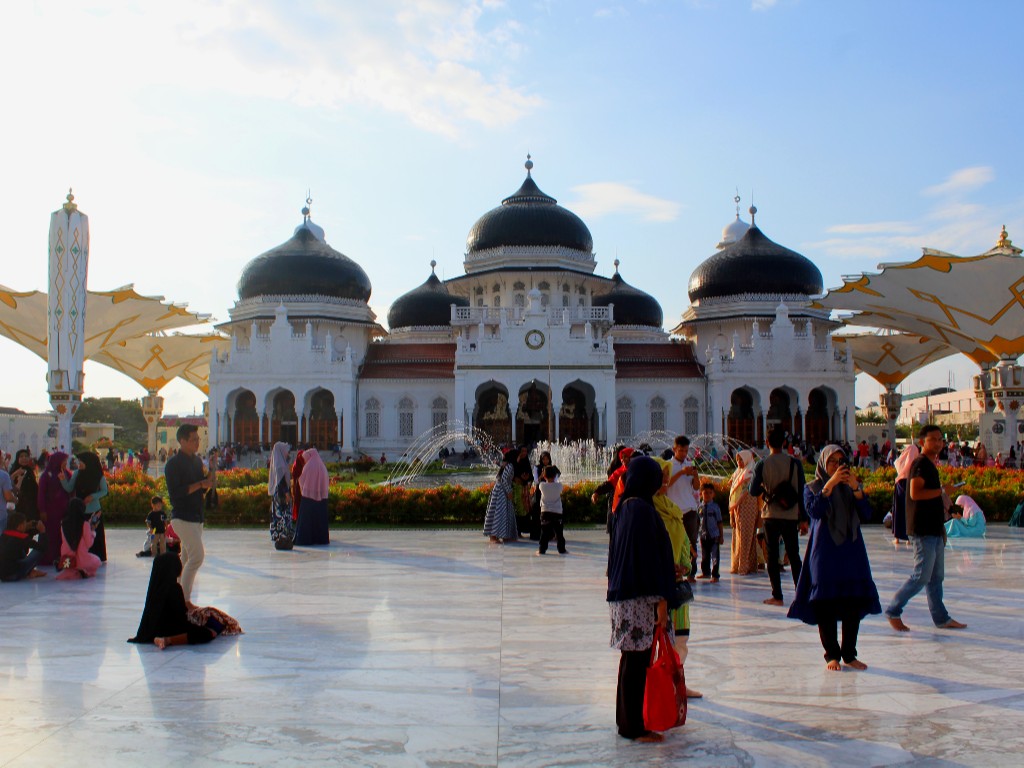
65	342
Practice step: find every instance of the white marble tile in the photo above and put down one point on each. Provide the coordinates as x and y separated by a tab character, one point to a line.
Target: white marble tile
437	649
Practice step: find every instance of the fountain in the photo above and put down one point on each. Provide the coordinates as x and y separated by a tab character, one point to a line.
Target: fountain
426	449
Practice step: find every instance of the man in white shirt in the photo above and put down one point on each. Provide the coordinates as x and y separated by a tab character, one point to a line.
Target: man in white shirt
683	483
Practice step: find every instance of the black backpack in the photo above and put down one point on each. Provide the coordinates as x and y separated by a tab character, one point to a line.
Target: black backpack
785	494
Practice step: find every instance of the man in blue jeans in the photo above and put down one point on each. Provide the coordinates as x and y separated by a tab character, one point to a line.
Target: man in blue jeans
925	517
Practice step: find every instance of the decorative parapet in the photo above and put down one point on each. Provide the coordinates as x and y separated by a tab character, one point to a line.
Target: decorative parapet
461	316
522	255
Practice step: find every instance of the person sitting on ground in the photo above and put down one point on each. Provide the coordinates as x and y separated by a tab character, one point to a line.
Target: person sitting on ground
77	536
168	620
968	521
22	543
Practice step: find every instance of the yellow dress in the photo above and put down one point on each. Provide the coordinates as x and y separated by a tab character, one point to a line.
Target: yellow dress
672	517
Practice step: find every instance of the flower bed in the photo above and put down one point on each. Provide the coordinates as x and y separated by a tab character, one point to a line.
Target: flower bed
244	500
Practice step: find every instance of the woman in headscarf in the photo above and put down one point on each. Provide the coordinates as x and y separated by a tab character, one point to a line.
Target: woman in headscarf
500	519
743	516
312	526
90	487
55	488
835	582
279	481
903	464
168	620
521	485
970	523
641	581
23	475
296	490
76	560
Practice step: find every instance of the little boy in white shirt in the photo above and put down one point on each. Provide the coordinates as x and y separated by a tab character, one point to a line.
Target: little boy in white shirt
550	512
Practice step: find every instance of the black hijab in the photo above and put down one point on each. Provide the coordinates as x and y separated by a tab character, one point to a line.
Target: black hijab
71	525
165	614
28	493
89	474
508	457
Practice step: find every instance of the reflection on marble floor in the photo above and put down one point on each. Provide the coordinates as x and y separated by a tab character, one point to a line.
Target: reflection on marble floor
437	649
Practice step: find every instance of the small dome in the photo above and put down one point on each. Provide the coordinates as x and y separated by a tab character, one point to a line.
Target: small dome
304	265
733	232
429	304
529	218
755	264
632	306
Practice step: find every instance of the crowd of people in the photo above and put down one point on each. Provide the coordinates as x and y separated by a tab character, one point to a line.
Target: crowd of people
662	521
659	510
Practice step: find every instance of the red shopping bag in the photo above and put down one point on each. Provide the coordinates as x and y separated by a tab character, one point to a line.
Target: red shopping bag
665	691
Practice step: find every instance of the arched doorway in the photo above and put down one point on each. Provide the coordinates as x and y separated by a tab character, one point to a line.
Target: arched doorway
322	422
245	423
780	413
532	414
575	420
817	420
742	423
284	422
491	413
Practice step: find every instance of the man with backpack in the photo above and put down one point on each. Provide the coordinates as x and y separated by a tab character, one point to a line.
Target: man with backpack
779	481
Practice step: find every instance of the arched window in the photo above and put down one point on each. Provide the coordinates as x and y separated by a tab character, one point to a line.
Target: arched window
691	408
479	290
658	408
519	285
497	301
624	418
373	417
480	301
520	300
439	412
565	300
405	420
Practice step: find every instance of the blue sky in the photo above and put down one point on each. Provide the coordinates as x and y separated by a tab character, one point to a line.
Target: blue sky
191	131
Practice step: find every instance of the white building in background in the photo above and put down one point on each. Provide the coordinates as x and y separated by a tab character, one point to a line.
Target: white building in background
529	342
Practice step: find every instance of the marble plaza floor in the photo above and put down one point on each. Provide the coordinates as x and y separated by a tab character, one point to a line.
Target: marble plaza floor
413	648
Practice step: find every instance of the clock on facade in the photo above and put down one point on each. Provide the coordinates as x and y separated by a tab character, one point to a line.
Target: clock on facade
534	339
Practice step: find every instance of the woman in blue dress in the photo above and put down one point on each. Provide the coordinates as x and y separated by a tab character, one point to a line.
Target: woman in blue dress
969	524
835	582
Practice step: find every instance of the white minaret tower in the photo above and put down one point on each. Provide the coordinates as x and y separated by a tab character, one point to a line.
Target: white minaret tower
65	337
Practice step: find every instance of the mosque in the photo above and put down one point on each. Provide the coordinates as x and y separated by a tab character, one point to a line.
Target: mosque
529	344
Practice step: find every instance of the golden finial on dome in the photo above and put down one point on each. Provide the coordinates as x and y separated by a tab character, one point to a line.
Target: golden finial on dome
71	206
1004	239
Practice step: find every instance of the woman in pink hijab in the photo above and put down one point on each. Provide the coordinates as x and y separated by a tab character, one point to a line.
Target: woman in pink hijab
899	494
314	482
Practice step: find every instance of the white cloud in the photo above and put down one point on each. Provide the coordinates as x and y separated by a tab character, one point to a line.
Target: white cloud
763	5
611	12
964	180
607	197
873	228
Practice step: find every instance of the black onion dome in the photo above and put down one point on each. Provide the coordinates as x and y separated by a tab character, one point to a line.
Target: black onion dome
304	265
429	304
531	218
755	264
632	306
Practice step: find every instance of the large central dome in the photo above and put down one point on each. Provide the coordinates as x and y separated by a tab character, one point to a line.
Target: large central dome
529	218
755	265
305	265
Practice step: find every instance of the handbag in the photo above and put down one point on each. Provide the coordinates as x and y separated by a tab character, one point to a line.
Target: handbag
683	595
665	689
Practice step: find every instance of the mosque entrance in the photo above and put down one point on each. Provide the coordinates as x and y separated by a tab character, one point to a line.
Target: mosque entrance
573	421
780	415
532	414
742	423
284	422
245	424
322	424
817	419
492	414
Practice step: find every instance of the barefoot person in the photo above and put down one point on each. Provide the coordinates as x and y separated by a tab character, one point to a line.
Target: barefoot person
925	518
168	620
835	581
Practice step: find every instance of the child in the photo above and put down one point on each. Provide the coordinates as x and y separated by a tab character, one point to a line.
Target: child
711	534
20	550
550	511
156	522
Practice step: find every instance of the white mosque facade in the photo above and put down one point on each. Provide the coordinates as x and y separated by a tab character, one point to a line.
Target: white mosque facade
529	343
